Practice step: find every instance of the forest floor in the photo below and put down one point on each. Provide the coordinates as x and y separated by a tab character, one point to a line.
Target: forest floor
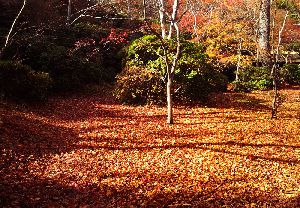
89	151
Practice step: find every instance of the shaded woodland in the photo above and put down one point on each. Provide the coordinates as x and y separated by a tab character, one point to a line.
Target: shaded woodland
149	103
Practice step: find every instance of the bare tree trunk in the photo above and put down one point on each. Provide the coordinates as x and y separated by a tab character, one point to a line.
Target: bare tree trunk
173	17
171	73
12	27
162	18
264	33
238	66
170	119
170	65
128	8
195	25
144	9
69	12
273	28
276	95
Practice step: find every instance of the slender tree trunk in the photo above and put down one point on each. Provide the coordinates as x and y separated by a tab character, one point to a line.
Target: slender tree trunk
128	8
144	9
195	25
238	66
170	119
276	95
69	12
171	73
173	17
171	64
12	27
162	18
273	28
264	33
275	91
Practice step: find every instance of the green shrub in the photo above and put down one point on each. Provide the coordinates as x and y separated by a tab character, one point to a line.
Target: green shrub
21	82
68	68
137	85
254	78
83	30
294	46
142	50
40	85
286	4
290	73
204	83
145	66
55	60
78	61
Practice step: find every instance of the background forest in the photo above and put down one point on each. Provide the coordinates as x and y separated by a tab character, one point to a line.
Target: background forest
60	46
83	91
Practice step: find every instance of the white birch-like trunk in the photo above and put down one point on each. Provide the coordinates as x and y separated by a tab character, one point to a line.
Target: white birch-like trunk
162	18
170	119
264	32
195	25
170	64
173	17
275	71
238	66
171	74
128	8
13	24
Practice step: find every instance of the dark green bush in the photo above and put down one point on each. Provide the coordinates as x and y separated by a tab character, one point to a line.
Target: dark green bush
68	67
72	72
204	83
290	73
21	82
138	85
294	46
286	4
254	78
83	30
145	66
143	50
40	85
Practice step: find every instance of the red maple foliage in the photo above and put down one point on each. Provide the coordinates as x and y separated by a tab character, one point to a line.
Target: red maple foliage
89	151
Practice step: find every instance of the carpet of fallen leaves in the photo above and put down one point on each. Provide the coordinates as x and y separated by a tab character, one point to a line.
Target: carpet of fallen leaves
89	151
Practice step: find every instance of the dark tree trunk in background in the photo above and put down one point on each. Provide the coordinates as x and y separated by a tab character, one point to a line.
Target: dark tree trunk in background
69	12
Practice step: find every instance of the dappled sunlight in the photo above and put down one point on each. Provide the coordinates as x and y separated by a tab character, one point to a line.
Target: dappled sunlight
99	155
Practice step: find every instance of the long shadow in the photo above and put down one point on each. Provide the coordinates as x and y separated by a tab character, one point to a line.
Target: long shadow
213	193
203	146
241	101
81	108
32	138
22	138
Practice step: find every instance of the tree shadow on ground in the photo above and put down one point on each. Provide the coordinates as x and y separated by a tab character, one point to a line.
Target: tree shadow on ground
241	101
219	147
24	138
36	192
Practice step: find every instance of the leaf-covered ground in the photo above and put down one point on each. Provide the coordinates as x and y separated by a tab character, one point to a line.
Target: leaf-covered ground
88	151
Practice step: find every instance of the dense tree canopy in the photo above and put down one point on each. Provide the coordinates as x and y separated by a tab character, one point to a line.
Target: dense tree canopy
78	42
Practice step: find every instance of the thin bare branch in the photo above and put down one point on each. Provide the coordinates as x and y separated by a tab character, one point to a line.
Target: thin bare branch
14	22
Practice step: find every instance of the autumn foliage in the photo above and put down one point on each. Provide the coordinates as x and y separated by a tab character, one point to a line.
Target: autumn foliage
89	151
85	149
